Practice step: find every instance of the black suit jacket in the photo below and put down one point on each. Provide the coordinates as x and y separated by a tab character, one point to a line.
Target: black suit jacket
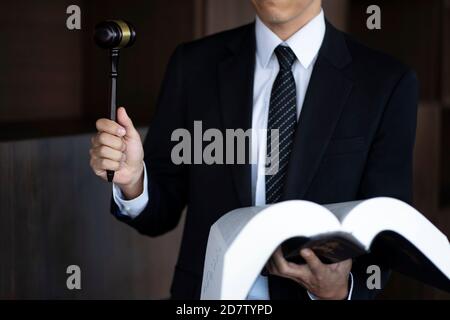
354	140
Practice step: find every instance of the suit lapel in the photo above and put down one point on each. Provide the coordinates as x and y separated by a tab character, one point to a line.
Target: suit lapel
236	73
325	99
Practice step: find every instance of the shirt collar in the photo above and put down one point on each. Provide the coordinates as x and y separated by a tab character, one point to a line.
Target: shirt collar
305	43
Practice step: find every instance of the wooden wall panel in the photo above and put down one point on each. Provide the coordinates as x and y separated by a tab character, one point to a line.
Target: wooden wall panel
444	167
54	212
41	62
427	155
56	81
337	12
446	53
222	15
411	31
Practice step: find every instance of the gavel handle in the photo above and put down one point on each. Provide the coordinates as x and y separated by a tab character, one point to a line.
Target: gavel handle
114	74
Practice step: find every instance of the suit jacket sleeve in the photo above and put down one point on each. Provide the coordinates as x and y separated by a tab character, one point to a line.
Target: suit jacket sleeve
389	167
167	182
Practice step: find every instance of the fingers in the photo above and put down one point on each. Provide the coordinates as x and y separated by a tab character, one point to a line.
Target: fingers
273	270
109	146
312	260
108	140
104	152
107	152
322	280
287	269
100	165
111	127
269	267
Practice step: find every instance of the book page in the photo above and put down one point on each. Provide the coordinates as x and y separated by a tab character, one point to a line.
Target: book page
222	234
231	224
212	268
341	210
241	242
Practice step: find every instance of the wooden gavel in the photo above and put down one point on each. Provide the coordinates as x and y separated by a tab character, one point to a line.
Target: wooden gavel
114	35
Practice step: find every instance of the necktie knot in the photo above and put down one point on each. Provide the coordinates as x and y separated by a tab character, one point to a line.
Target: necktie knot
286	57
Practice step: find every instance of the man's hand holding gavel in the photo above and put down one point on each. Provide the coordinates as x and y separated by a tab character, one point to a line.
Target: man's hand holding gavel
118	147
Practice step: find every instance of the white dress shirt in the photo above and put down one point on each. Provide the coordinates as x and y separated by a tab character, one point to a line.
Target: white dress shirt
305	44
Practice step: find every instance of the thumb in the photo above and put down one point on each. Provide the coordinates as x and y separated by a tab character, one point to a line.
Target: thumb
124	120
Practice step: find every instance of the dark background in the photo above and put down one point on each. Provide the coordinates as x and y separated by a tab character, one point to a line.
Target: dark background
53	86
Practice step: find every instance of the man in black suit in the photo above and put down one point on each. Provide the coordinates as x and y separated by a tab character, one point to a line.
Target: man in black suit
346	118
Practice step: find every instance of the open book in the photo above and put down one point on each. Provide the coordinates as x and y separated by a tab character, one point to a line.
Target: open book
243	240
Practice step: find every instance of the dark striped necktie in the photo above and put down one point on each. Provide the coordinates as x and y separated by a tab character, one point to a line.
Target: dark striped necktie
282	117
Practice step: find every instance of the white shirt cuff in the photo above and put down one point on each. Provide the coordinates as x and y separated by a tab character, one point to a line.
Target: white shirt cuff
132	208
350	291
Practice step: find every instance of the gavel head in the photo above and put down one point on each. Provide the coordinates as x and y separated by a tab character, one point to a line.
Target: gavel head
114	34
